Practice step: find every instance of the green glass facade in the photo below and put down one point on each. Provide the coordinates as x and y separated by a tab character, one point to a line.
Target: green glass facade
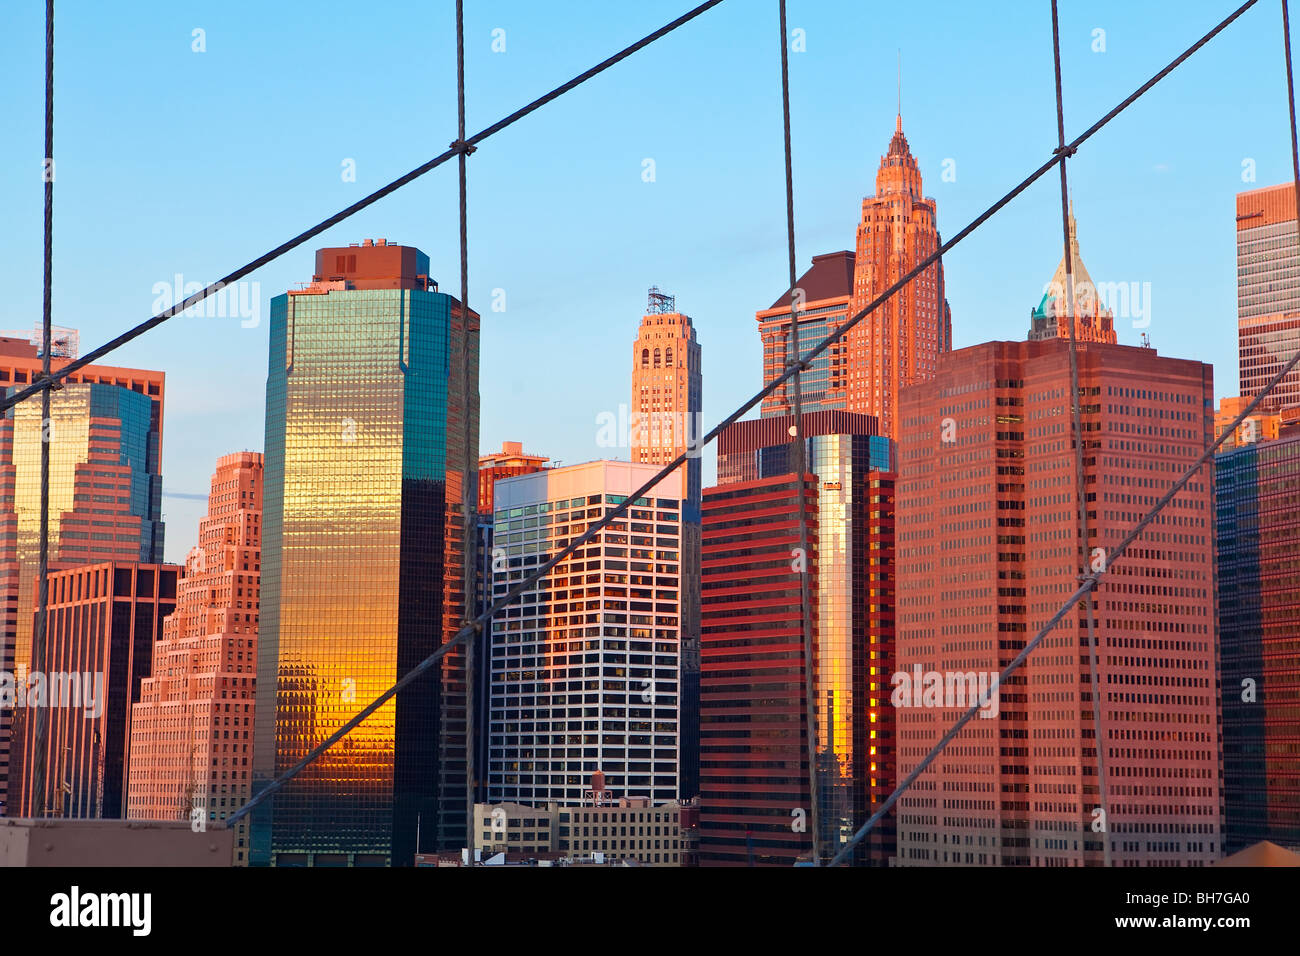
362	574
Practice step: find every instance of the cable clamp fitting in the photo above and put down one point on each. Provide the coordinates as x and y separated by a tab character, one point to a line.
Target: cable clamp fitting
460	146
55	384
1067	150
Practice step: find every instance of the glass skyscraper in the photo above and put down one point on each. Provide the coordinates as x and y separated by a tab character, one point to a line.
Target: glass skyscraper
363	557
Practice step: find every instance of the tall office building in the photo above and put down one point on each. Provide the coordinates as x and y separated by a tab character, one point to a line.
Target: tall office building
755	808
363	553
105	434
1093	321
1257	498
988	548
854	604
900	343
896	345
104	621
1268	293
667	397
192	731
585	668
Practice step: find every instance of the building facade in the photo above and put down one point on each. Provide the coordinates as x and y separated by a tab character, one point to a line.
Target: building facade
897	344
585	668
988	548
825	291
628	829
105	432
1258	426
192	731
854	604
363	554
1257	496
755	792
900	343
1268	293
104	620
667	402
511	460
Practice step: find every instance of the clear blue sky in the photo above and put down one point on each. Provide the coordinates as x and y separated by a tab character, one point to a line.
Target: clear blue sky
171	161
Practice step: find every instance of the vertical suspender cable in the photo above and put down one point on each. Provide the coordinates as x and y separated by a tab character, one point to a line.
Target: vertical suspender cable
41	719
1080	475
469	385
799	465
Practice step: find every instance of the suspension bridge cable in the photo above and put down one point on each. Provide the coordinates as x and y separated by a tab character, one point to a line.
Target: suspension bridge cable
799	465
1081	484
40	722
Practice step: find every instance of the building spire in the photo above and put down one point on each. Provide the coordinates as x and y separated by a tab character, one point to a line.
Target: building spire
898	127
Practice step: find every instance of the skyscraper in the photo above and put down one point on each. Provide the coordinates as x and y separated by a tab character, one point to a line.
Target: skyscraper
586	666
853	597
363	557
666	389
105	439
897	344
104	620
667	397
755	807
1268	293
988	548
192	731
900	343
1257	501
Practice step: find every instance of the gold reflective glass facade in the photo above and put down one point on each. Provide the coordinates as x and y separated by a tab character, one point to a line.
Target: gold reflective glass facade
362	574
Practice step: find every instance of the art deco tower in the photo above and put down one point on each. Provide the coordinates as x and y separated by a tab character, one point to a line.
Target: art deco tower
900	342
667	394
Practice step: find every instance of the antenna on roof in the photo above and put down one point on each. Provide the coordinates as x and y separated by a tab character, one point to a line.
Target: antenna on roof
660	303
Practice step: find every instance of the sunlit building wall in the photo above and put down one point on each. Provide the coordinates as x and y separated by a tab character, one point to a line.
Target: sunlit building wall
104	621
854	601
585	668
105	498
989	548
755	804
362	561
192	731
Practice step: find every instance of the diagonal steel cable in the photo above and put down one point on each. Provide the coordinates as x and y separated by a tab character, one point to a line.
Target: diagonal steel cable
1081	484
98	353
514	593
799	465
